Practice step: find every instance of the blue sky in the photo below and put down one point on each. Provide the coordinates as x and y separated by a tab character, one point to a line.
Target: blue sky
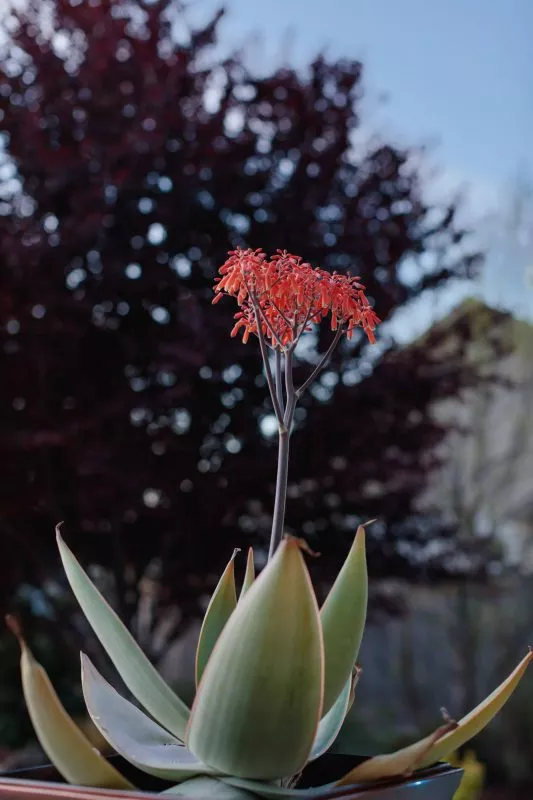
456	75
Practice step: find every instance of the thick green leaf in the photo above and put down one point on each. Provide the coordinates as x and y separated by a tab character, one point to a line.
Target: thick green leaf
134	735
343	620
209	788
249	575
477	719
391	765
332	722
66	746
442	742
218	612
258	705
270	790
141	678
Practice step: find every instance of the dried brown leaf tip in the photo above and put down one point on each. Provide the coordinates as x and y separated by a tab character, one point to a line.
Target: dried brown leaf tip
302	544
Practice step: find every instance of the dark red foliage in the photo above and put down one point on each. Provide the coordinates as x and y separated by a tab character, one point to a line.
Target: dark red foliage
126	410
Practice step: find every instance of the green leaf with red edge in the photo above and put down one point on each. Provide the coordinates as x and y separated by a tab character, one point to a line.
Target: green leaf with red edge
249	575
67	747
477	719
133	735
332	722
259	702
442	742
343	618
139	675
218	612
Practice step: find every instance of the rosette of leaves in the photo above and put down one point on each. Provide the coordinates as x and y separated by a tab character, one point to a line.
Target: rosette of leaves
276	676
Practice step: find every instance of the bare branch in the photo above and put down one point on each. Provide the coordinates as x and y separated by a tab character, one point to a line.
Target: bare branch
322	363
304	326
279	378
258	310
285	319
268	372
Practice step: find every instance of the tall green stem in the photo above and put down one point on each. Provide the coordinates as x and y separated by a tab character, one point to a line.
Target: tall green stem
278	518
281	492
285	417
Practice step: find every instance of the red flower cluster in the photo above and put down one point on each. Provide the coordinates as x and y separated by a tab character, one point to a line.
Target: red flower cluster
287	295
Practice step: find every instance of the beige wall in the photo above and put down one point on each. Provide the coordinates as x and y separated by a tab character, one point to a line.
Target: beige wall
486	481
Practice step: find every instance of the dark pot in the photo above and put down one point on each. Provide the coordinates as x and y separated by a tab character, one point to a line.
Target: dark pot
436	783
44	783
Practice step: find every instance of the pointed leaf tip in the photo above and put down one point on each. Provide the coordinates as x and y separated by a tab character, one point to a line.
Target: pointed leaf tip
443	741
302	544
477	719
343	617
65	744
137	672
249	575
258	705
219	610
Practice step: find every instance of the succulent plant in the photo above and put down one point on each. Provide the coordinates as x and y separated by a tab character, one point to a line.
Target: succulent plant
276	675
272	659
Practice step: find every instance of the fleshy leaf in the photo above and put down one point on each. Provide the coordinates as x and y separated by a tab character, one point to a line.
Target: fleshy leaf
401	763
332	722
209	788
343	620
218	612
443	741
249	575
134	735
139	675
477	719
270	790
66	746
258	705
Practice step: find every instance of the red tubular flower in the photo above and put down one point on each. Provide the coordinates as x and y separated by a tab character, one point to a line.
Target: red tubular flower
287	295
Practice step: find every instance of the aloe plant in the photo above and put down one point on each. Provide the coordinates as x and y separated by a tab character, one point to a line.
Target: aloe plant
276	674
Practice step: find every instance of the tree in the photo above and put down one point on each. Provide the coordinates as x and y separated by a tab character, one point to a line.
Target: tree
133	162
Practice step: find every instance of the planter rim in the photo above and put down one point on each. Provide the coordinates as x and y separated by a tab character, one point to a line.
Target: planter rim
24	788
21	788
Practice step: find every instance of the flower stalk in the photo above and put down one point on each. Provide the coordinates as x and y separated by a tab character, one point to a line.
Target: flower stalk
279	300
280	501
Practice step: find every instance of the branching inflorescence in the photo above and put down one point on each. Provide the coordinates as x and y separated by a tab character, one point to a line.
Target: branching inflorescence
279	299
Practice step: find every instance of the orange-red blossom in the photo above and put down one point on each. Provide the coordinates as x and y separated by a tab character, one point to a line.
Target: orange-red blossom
288	295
